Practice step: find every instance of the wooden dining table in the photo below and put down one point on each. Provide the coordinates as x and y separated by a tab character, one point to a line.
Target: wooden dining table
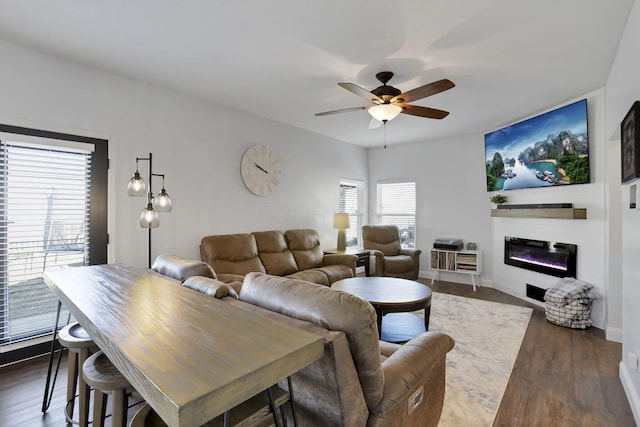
192	357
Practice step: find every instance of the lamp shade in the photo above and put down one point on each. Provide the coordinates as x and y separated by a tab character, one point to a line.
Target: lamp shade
162	202
385	112
341	220
136	186
149	217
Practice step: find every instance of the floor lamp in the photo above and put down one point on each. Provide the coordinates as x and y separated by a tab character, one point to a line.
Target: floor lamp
149	217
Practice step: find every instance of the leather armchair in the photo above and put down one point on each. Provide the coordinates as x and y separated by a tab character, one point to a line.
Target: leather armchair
359	381
391	259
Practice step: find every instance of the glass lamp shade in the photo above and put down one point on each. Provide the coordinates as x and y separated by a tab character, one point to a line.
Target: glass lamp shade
149	217
162	202
385	112
136	186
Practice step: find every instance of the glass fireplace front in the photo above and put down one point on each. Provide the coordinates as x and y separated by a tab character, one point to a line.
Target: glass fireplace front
553	258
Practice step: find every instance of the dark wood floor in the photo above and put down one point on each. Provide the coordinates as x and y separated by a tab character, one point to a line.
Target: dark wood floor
562	377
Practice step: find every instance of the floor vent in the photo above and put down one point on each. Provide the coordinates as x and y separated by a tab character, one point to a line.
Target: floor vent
535	292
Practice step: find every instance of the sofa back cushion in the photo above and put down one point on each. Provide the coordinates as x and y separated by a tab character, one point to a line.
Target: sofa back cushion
331	309
384	238
231	253
274	253
305	247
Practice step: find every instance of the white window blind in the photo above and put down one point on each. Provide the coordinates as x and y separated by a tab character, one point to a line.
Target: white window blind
396	205
350	201
44	222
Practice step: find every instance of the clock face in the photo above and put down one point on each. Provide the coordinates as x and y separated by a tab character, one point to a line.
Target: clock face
260	169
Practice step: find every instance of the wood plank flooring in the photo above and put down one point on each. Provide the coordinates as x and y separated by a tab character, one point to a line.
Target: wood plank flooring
562	377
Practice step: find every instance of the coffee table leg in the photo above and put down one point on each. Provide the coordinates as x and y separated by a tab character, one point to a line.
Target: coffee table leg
427	314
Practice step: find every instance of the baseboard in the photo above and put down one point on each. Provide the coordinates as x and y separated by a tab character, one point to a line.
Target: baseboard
630	391
614	334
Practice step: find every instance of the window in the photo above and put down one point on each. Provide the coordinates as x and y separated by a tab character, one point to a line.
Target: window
397	206
52	215
350	201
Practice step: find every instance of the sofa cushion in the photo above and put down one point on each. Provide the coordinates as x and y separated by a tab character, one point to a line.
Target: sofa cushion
315	275
181	268
305	247
231	253
336	272
274	253
330	309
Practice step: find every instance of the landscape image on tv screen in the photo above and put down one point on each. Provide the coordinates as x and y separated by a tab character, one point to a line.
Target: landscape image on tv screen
547	150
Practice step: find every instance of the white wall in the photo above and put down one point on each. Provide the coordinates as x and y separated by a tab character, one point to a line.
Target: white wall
451	193
196	144
453	202
588	234
622	89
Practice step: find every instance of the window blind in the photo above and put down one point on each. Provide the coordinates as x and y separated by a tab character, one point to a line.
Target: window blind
396	205
44	223
350	201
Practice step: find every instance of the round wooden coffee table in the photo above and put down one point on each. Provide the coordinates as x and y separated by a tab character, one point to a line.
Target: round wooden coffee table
392	295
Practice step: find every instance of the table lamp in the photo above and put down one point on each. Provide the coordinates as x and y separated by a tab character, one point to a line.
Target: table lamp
341	223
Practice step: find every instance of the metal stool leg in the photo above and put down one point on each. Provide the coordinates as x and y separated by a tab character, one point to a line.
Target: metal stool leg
272	405
46	400
293	406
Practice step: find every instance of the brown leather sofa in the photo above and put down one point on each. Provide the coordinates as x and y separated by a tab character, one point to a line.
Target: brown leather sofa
359	381
391	259
294	253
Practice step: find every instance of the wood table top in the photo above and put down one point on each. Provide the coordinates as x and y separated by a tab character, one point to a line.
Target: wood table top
192	357
385	290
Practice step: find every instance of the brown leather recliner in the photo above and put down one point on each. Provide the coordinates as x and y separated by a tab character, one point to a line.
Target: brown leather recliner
391	259
359	381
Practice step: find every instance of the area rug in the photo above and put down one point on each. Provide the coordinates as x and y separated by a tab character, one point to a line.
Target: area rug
488	336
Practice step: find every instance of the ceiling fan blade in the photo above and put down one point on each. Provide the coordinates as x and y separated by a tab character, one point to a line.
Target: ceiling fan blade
344	110
361	92
430	113
424	91
374	123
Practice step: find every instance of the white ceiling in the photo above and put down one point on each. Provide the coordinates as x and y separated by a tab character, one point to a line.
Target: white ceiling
282	59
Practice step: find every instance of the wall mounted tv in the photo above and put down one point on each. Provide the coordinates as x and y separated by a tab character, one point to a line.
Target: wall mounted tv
548	150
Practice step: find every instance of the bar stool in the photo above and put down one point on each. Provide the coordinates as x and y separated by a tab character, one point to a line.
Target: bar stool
258	411
105	379
80	346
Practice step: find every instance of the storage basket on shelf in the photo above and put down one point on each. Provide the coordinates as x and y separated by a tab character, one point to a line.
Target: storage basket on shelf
568	303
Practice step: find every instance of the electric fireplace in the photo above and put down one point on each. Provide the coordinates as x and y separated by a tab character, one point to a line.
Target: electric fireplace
553	258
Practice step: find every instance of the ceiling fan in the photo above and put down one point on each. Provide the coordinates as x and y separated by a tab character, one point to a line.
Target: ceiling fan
388	101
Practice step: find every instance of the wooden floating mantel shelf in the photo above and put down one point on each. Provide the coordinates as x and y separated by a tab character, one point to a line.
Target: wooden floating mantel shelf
558	213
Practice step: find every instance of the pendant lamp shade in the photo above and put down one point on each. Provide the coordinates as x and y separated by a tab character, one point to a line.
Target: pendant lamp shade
149	217
162	202
136	186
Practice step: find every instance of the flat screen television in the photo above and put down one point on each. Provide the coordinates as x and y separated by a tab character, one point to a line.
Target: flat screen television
548	150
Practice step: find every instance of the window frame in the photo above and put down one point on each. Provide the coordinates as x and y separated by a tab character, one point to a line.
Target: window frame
97	233
358	213
380	214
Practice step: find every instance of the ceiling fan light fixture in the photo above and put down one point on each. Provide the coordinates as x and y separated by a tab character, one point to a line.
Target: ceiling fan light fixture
384	112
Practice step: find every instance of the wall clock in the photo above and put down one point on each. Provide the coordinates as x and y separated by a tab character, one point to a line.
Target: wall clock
260	170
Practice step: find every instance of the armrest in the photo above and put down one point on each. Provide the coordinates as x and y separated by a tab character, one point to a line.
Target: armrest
412	252
212	287
410	365
341	259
